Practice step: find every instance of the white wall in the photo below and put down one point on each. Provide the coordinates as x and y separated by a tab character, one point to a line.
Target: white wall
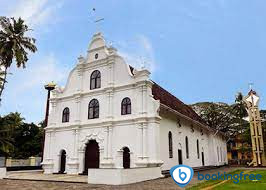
206	143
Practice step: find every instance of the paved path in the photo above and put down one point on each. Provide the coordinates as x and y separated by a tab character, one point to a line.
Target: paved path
162	184
39	176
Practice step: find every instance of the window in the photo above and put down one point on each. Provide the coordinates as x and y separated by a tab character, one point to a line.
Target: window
65	116
95	80
187	151
218	154
93	109
126	106
198	148
170	143
96	56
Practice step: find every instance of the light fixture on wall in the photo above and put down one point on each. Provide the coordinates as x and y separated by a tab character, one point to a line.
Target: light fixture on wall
192	128
178	123
201	132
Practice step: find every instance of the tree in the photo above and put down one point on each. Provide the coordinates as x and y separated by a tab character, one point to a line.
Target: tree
8	124
27	141
13	46
218	116
240	111
19	139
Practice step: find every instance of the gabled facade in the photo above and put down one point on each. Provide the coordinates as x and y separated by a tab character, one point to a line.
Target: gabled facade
111	115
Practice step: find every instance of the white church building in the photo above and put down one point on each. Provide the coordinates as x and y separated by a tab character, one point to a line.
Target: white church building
114	124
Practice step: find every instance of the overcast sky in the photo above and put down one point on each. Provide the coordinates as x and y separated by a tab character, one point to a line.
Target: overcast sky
204	50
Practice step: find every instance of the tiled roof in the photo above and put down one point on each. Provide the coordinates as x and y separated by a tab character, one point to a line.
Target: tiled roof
173	102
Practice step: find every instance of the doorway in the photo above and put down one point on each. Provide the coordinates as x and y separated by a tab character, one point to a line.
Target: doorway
180	160
62	162
92	156
126	157
202	158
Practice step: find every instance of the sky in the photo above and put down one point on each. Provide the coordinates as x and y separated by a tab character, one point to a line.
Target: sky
200	51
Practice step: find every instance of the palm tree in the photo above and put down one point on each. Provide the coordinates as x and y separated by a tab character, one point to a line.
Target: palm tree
13	46
240	112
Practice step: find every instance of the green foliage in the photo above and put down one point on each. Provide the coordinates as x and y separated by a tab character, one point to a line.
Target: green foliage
19	139
13	46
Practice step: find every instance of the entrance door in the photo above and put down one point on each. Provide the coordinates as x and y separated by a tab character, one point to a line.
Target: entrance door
62	162
202	158
126	157
180	160
92	156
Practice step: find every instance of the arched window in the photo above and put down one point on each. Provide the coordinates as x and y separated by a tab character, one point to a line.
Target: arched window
93	109
170	143
198	148
65	116
126	106
95	80
187	151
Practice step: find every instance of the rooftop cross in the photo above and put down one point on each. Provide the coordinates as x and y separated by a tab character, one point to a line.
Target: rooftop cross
250	85
97	20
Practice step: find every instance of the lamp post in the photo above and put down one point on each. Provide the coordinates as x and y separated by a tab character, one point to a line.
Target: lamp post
49	87
252	101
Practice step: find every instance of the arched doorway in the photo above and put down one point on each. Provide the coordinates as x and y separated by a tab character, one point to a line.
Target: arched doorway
202	157
179	154
92	156
62	162
126	157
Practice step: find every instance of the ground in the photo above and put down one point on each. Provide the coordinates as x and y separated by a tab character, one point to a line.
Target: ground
162	184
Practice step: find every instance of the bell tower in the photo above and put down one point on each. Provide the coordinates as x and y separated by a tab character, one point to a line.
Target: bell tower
252	102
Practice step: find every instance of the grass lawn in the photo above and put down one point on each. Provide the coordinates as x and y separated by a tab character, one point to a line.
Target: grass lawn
243	184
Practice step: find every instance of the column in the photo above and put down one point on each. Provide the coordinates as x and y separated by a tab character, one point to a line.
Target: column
106	136
81	157
144	99
144	140
77	115
110	134
111	73
110	96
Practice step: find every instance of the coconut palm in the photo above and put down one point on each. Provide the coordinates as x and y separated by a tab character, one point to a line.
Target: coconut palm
14	45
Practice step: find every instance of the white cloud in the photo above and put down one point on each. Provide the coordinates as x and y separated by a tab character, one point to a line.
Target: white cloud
138	52
35	12
46	69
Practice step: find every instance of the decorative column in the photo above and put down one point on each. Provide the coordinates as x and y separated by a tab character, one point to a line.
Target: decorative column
77	115
142	141
111	73
73	164
108	156
110	135
110	95
81	157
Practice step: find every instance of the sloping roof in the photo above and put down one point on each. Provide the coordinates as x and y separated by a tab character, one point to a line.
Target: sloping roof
173	102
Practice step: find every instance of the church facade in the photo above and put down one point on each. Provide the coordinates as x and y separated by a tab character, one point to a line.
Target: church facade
111	117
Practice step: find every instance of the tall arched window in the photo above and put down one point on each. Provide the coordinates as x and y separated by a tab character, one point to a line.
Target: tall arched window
95	80
187	150
126	106
93	109
218	154
170	143
65	115
198	149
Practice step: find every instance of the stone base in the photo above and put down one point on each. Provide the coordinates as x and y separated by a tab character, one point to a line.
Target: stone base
2	173
114	176
47	166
